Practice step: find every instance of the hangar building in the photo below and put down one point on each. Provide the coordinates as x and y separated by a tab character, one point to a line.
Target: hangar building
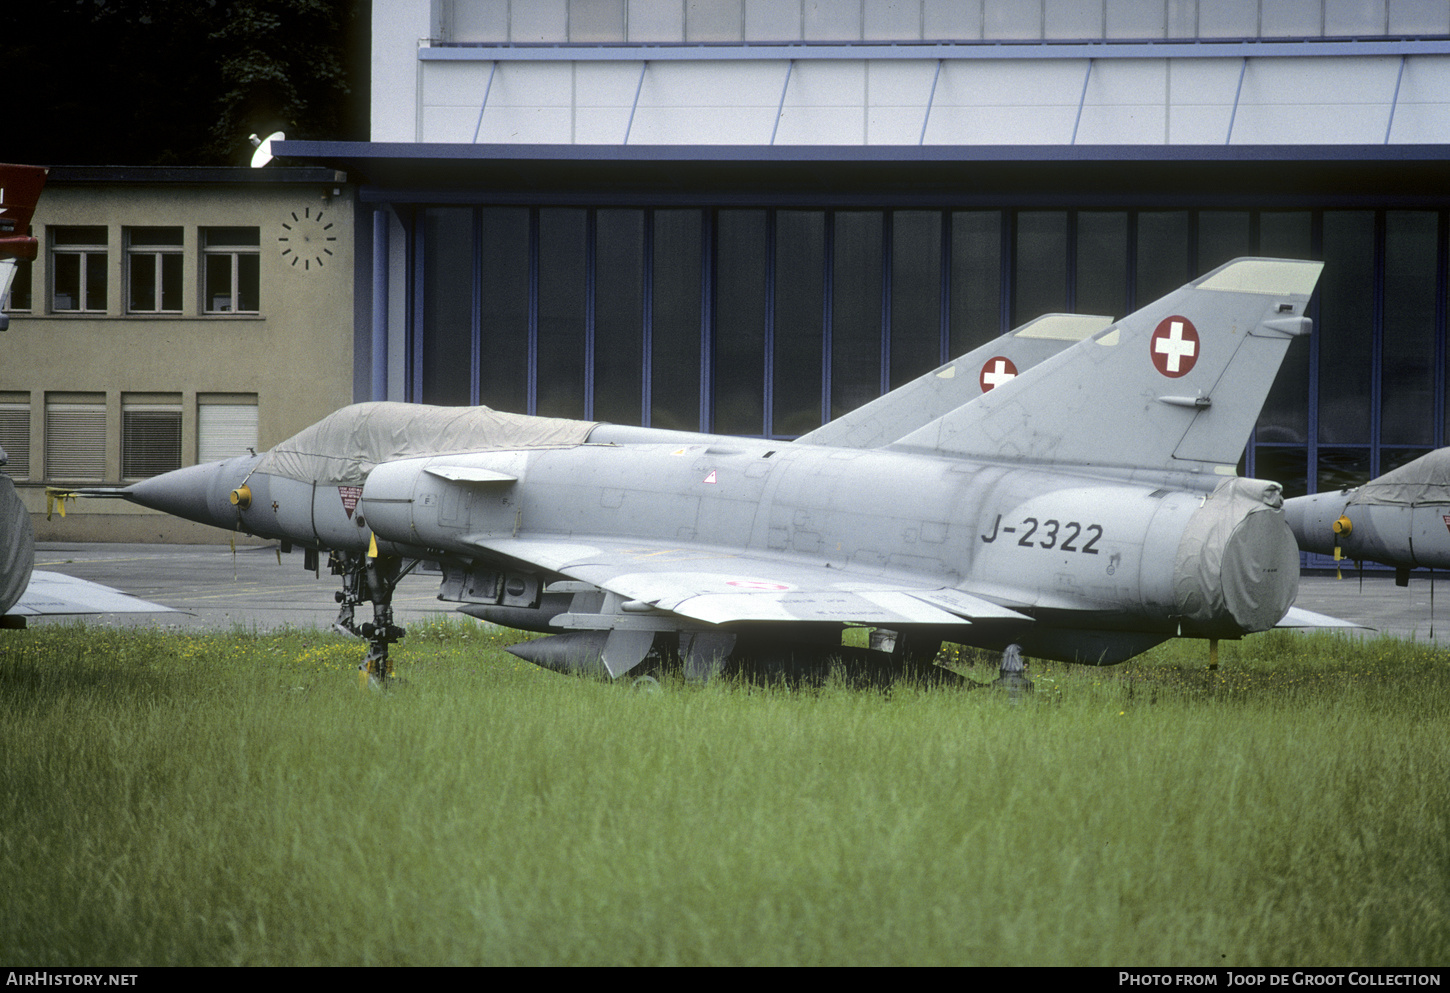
748	216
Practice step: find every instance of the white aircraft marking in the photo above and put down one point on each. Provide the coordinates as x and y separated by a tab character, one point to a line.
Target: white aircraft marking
996	372
1177	343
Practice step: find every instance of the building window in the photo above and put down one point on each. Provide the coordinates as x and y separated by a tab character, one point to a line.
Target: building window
231	279
15	434
226	426
75	437
15	286
21	296
153	270
78	267
150	434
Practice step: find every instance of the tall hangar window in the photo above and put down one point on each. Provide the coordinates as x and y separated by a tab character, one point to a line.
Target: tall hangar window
1346	313
1280	450
798	319
675	313
231	270
618	244
748	320
150	434
153	270
768	320
1411	297
78	269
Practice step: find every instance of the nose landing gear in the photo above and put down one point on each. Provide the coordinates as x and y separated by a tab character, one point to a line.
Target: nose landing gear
370	578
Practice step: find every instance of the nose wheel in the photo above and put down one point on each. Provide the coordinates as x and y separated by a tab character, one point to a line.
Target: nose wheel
365	579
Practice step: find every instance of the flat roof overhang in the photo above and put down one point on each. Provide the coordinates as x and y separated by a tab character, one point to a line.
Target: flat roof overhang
193	175
940	174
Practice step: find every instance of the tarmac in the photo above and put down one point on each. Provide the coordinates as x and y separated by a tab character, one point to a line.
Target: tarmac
210	587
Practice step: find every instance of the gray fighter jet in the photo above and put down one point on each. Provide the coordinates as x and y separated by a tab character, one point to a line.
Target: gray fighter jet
1401	519
1085	509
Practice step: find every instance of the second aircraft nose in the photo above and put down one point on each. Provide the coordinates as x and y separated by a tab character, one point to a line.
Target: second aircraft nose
198	493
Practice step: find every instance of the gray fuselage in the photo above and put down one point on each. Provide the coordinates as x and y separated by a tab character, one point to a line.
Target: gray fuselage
1109	552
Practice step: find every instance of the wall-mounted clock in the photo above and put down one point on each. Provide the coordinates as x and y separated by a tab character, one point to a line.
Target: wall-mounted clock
307	239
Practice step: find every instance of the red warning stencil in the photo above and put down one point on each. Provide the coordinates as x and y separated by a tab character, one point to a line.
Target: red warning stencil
350	496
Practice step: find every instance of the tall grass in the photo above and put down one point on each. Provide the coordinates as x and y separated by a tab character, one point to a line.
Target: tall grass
184	799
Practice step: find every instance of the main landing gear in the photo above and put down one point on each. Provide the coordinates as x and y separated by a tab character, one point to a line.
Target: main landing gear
371	578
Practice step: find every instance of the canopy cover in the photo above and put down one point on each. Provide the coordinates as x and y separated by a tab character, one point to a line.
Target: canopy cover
345	446
1425	480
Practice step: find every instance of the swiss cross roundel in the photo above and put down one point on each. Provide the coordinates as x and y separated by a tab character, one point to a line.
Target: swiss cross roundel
998	370
1174	346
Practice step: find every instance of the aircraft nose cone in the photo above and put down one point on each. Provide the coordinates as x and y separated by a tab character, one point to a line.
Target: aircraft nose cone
1294	513
1311	519
197	492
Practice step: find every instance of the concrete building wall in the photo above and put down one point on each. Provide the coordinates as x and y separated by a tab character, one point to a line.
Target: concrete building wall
292	358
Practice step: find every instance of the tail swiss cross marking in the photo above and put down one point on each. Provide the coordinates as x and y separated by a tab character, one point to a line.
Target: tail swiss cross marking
1174	346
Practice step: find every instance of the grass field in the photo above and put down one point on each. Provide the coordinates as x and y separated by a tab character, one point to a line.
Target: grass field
236	799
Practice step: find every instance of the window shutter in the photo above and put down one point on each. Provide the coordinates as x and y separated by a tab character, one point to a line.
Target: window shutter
15	439
75	441
225	430
150	440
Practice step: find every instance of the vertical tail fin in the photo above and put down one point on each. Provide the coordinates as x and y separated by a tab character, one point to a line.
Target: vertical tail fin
915	404
1176	385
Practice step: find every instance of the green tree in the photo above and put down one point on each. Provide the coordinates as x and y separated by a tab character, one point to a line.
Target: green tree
282	65
177	82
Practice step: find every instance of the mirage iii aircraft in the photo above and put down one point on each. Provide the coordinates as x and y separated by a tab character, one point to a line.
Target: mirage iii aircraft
1085	508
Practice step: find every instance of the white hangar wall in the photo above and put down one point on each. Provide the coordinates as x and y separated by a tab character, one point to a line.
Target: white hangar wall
991	72
1110	98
